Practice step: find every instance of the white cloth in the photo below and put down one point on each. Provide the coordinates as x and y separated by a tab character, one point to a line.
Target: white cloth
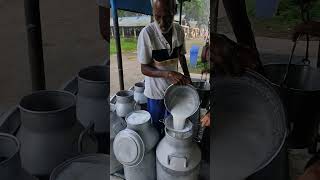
153	49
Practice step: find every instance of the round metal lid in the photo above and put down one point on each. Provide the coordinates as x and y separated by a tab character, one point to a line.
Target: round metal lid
138	117
249	128
84	167
128	147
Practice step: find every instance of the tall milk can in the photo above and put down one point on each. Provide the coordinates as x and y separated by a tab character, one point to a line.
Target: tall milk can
135	146
178	157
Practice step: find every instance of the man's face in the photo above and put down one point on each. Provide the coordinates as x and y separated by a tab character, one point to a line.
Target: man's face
164	15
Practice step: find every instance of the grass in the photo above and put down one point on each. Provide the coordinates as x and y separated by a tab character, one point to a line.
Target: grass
127	45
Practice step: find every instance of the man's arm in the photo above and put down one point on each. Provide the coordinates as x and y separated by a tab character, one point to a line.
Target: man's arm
172	76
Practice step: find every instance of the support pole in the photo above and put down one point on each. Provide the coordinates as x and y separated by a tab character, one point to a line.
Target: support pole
33	25
118	45
180	18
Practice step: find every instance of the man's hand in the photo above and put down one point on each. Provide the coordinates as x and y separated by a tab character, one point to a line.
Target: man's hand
178	78
205	121
312	173
308	28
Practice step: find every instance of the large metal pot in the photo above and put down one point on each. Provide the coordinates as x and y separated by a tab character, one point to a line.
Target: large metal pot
301	96
178	157
250	127
49	132
10	164
84	167
134	147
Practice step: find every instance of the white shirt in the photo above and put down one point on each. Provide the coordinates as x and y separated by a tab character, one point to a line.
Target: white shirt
153	49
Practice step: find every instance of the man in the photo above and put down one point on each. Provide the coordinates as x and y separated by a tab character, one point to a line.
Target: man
160	47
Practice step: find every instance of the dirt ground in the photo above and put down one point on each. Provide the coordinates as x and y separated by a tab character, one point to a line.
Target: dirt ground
71	41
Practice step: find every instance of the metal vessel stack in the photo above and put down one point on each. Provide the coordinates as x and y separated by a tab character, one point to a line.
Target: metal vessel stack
59	134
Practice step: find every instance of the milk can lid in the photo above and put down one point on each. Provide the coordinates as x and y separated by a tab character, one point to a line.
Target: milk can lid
138	117
128	147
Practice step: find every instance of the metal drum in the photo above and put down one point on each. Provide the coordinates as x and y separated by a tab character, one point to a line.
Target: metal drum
301	97
249	129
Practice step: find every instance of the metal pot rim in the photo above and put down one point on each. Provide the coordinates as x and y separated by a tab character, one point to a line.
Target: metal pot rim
129	95
91	81
73	104
57	170
189	86
289	88
17	149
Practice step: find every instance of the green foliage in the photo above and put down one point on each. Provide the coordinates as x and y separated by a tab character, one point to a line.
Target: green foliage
199	67
197	10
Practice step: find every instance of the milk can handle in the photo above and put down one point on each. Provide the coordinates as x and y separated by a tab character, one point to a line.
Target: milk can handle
90	131
174	156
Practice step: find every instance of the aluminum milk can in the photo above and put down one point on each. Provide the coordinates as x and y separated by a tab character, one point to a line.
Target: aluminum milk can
135	146
178	157
139	96
125	103
92	102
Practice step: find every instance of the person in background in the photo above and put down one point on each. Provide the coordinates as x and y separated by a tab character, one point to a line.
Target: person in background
160	47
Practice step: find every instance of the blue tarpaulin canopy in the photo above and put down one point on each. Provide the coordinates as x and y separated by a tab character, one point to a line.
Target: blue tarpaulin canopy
139	6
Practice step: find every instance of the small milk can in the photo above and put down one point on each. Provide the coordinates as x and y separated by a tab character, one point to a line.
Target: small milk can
139	96
178	157
125	103
134	147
